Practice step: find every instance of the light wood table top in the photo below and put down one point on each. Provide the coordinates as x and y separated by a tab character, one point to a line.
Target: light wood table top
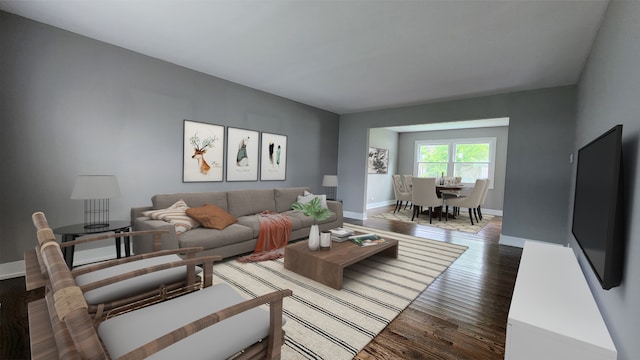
327	266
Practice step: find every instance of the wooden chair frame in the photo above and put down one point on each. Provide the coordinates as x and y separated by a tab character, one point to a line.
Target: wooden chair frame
99	312
62	321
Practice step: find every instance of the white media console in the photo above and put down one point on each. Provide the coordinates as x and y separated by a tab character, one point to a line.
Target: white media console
553	314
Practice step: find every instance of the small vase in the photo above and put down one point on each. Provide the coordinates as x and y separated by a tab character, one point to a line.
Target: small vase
325	240
314	238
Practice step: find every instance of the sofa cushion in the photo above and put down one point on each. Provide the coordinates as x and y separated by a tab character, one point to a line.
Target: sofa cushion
126	332
193	199
212	238
211	216
252	222
174	214
250	202
286	197
298	219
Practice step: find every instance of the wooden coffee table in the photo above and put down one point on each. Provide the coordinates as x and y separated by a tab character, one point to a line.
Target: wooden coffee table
327	266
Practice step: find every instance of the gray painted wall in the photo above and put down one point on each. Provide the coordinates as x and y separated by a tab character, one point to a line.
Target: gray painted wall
608	95
540	140
495	196
538	168
71	105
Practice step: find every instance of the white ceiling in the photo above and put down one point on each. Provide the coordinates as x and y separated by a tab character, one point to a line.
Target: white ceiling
348	56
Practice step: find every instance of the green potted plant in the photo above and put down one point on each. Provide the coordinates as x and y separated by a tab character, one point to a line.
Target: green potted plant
314	209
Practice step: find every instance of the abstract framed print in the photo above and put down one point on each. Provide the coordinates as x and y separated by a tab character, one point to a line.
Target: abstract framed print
242	154
273	159
378	161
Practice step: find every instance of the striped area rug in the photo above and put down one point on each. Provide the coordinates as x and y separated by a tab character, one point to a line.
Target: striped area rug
324	323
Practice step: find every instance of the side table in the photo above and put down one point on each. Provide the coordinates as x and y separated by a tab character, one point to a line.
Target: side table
72	232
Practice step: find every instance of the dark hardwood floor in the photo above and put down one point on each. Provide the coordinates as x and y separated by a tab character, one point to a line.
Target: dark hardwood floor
14	328
462	315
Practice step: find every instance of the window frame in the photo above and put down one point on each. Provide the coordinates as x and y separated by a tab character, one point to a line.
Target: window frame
492	141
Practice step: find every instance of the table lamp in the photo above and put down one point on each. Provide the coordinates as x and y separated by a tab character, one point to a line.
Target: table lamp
330	182
95	190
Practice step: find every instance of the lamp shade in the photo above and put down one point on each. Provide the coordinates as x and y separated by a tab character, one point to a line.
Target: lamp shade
95	187
330	181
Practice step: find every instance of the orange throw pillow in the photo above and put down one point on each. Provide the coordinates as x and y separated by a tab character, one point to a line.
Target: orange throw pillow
211	216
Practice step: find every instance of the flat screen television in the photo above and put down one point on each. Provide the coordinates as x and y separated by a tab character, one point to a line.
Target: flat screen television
598	219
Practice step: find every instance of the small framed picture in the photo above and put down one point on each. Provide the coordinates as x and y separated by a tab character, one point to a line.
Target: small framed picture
203	152
378	161
273	159
242	154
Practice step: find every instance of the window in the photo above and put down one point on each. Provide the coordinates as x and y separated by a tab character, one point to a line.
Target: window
433	160
470	159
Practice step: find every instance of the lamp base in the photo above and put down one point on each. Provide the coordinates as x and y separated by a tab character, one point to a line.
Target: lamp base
96	213
331	192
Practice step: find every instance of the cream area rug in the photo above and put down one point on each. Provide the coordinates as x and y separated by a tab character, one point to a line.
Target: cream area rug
324	323
460	223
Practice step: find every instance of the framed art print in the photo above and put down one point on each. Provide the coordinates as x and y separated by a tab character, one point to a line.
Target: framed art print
273	159
242	154
203	152
378	161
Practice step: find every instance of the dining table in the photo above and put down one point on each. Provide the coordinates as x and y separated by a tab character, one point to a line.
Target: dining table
450	187
444	196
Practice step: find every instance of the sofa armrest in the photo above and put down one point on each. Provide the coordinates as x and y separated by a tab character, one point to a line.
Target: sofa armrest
145	245
336	207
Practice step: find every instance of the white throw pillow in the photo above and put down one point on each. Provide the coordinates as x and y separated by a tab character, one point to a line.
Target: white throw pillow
303	199
175	215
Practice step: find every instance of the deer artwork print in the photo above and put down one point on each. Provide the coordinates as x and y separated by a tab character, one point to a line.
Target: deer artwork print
200	148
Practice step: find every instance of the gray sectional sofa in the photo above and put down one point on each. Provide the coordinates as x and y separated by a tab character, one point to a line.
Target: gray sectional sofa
238	238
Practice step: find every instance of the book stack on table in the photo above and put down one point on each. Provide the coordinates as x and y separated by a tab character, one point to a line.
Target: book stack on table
366	239
340	234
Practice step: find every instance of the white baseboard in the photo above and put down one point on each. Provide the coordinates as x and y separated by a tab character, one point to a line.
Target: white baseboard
380	204
492	212
80	257
12	270
354	215
512	241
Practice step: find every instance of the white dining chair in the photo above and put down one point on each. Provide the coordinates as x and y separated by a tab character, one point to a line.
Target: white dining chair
483	197
400	193
471	202
407	182
424	195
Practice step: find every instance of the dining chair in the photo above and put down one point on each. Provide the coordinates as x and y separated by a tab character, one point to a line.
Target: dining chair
400	193
471	202
407	182
424	194
483	197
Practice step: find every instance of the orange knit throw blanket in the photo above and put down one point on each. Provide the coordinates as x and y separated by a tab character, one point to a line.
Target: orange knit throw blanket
275	231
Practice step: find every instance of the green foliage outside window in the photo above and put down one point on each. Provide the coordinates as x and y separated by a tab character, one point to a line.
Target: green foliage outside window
434	153
472	153
434	160
469	161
